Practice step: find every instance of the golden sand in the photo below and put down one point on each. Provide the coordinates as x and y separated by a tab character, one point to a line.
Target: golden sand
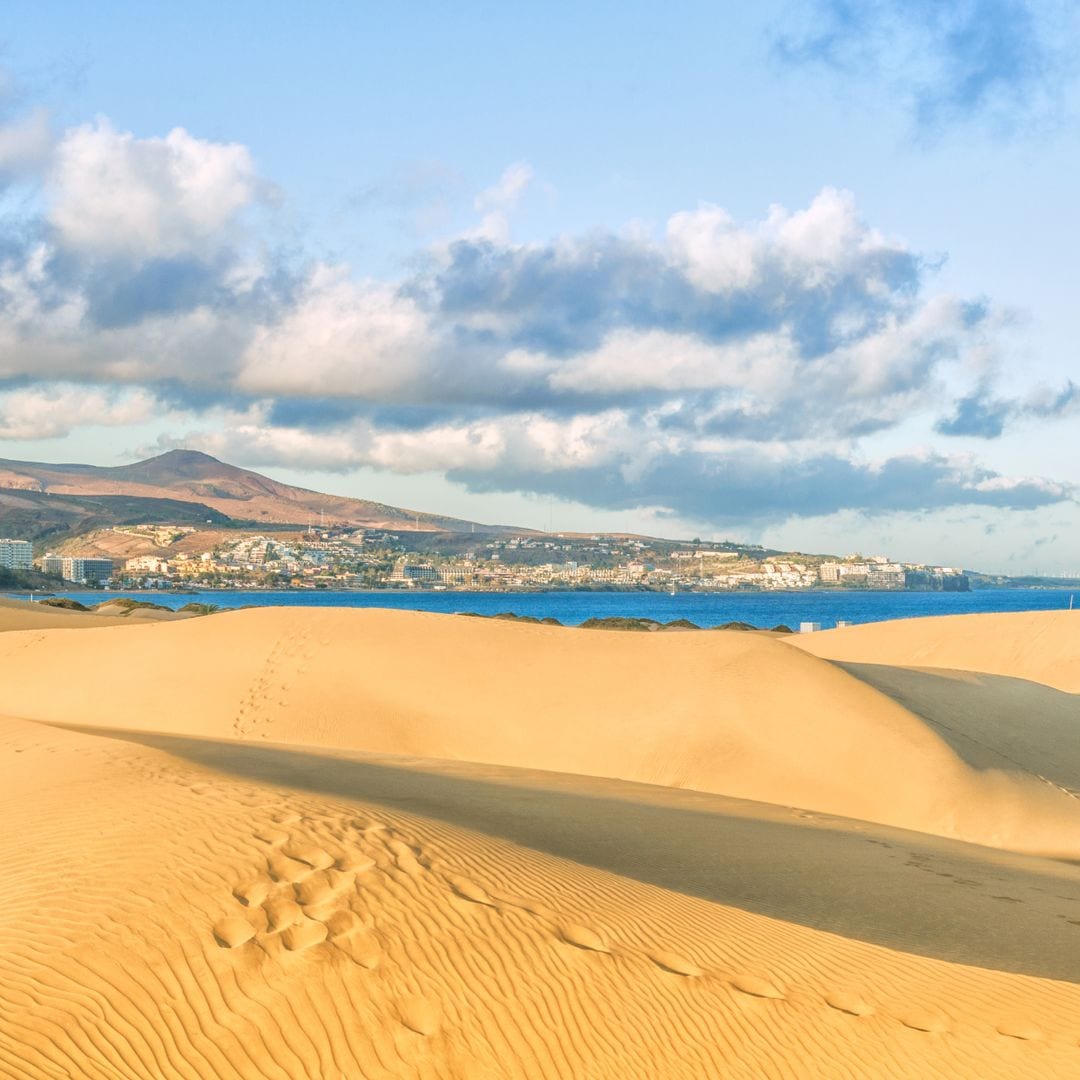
320	843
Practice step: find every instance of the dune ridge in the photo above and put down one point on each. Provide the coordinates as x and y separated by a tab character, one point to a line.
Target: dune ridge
259	845
738	714
1041	646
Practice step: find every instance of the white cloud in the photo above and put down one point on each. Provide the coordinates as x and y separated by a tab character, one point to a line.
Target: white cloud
631	361
341	338
497	202
54	411
815	246
113	194
617	460
716	254
721	369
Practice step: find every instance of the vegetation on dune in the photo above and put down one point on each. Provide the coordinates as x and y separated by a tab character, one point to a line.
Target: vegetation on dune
127	604
512	616
63	602
620	622
196	608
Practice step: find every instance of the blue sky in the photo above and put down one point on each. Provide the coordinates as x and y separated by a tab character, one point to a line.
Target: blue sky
799	274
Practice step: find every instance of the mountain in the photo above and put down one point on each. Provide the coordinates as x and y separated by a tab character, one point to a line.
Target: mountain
35	515
199	480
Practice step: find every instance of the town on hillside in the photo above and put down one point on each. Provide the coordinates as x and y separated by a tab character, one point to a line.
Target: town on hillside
186	557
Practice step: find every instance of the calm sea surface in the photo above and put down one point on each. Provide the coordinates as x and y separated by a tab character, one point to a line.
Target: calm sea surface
705	609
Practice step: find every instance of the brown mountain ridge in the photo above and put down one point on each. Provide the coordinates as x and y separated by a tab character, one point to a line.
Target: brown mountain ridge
188	476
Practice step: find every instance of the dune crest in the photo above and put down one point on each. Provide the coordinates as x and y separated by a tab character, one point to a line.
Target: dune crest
737	714
1042	646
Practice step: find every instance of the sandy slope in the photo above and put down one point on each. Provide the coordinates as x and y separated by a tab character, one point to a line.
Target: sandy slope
310	877
203	924
24	615
1043	646
739	714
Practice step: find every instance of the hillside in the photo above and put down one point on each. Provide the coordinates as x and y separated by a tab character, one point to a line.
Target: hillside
186	477
40	515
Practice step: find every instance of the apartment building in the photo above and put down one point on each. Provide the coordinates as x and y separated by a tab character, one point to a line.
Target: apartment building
81	569
16	555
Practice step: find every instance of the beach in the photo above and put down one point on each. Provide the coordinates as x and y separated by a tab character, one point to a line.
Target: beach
322	842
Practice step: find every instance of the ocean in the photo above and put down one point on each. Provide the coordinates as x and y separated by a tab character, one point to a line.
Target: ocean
826	607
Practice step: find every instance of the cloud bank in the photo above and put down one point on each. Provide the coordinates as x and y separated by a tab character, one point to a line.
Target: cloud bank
714	370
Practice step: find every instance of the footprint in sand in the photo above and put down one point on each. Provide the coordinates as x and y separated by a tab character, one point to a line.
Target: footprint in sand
253	893
233	932
470	891
273	837
353	937
304	934
676	964
928	1020
281	913
362	948
315	857
420	1014
582	937
405	858
1019	1029
344	922
282	868
323	887
756	986
354	862
848	1001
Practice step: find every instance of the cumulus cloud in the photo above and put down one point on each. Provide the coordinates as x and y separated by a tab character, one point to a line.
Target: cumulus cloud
995	59
53	411
340	338
618	461
112	194
716	370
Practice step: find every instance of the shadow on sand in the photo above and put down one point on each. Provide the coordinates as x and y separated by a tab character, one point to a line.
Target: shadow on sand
900	889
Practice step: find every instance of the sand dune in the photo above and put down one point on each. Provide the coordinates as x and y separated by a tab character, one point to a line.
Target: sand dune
737	714
1042	646
203	924
270	851
991	721
24	615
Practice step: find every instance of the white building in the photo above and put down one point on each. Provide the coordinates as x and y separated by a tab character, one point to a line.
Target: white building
147	564
16	555
82	569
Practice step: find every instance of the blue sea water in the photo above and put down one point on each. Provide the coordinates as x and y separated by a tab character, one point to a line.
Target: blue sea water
705	609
